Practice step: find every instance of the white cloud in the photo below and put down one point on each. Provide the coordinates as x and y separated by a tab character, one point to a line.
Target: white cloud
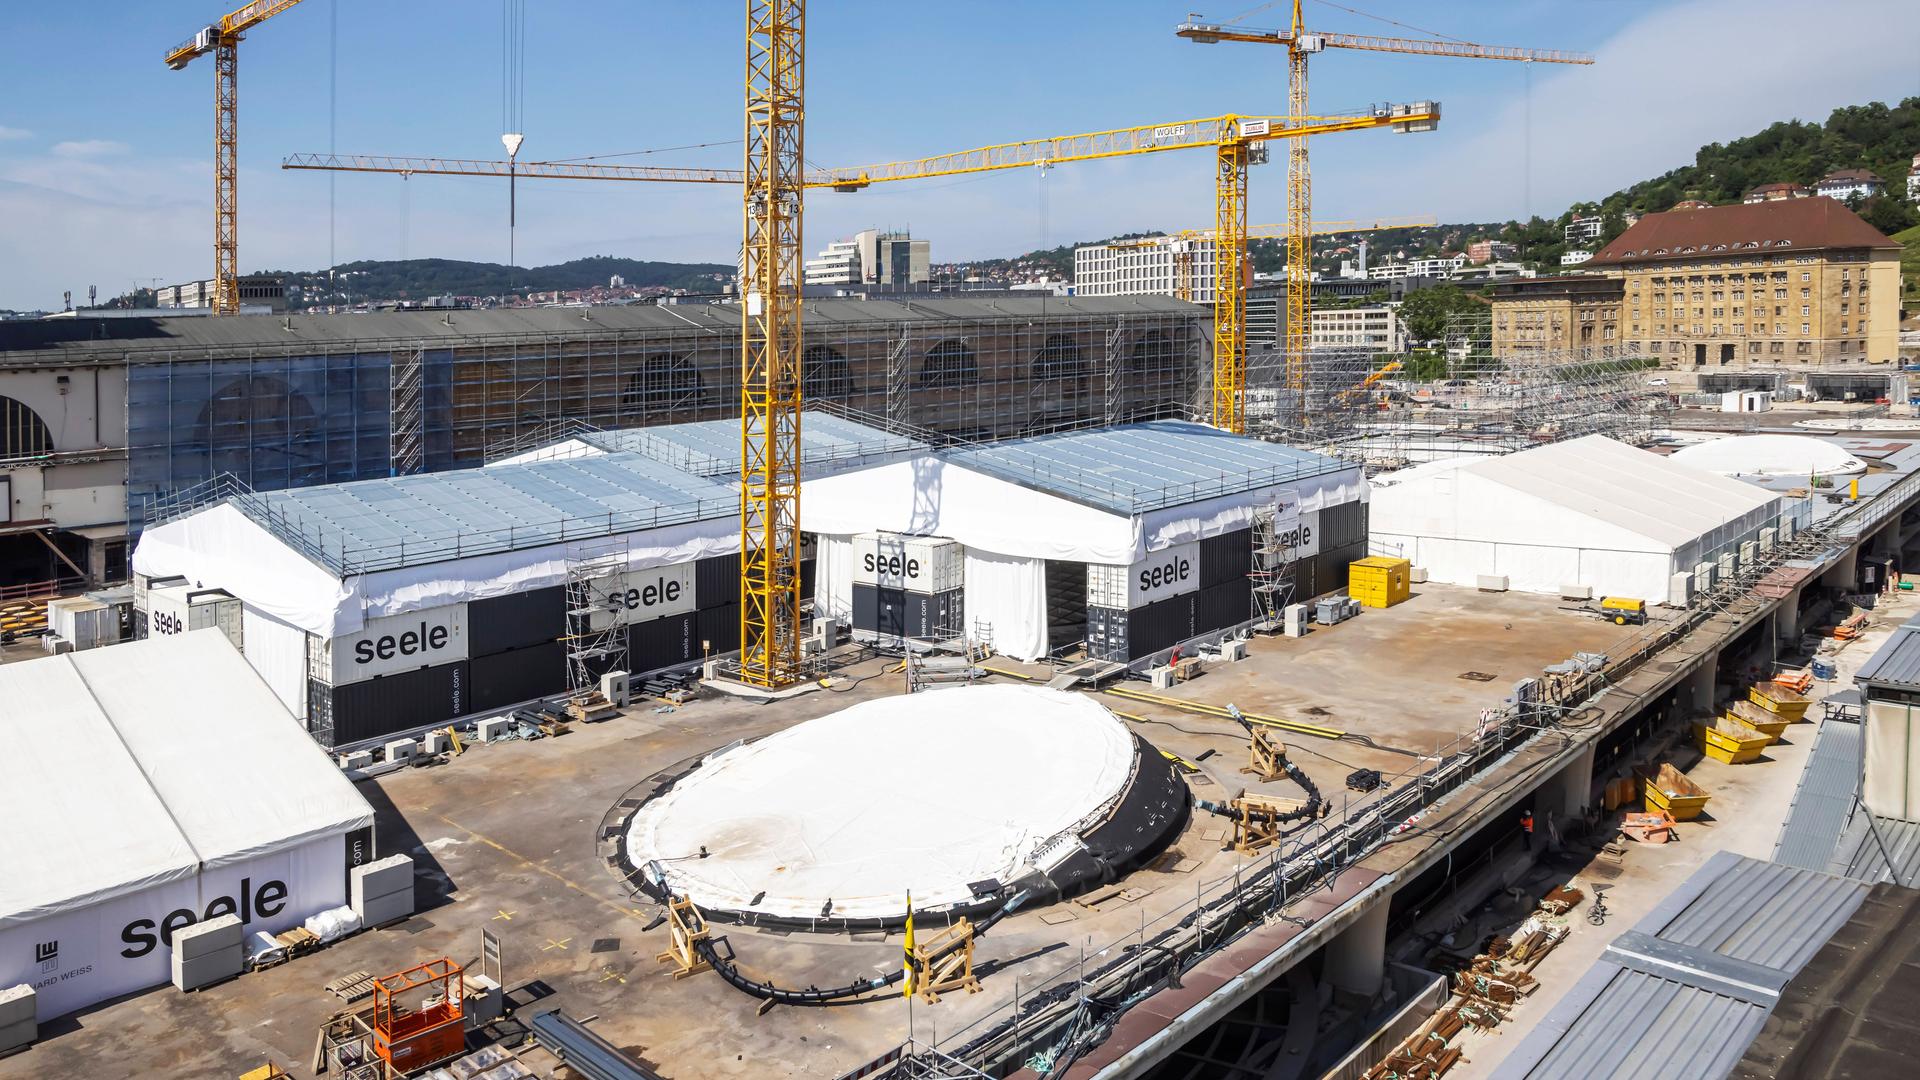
89	148
8	134
1682	76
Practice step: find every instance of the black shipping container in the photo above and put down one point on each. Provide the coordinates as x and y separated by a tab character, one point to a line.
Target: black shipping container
1343	525
662	643
1223	605
896	613
716	581
720	629
1107	634
880	610
509	678
1225	557
806	580
516	621
338	715
934	616
1161	625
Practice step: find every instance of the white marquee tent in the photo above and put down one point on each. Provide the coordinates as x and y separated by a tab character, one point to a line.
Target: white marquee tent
1589	511
145	787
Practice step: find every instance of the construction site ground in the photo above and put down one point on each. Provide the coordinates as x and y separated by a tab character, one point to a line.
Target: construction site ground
1748	805
504	839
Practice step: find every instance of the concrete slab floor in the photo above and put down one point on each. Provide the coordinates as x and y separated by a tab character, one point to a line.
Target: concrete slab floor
1744	816
504	837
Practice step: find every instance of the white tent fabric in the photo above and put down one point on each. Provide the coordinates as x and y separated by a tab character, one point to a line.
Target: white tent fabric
220	547
1771	455
564	450
160	780
1009	595
1589	511
278	651
833	579
927	496
830	809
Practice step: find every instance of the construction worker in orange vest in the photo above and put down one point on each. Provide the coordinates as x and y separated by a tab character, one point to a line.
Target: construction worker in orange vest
1526	823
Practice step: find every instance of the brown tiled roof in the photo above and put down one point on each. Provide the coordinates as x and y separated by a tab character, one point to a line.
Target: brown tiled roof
1778	187
1851	176
1791	225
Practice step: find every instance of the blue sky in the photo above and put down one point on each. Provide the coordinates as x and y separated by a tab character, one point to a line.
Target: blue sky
105	153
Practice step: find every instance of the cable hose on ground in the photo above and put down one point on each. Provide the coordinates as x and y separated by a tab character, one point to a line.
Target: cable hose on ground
814	995
1294	773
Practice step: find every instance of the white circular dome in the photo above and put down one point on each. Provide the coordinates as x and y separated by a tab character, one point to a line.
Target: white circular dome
861	806
1770	455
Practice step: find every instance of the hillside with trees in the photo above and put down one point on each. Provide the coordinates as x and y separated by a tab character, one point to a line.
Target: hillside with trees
417	279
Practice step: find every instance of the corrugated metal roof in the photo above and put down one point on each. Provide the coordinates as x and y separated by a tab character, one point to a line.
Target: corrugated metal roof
1141	467
1897	662
82	340
1823	799
1685	991
1875	848
369	525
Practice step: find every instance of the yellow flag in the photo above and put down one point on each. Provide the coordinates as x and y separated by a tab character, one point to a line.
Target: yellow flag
906	984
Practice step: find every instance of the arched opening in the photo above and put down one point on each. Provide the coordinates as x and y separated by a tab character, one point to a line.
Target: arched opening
1155	353
665	380
949	363
22	432
260	429
1060	357
824	373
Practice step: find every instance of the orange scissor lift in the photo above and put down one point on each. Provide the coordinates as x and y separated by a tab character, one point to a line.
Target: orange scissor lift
411	1039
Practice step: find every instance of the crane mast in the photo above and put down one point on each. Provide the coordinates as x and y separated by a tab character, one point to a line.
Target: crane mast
770	398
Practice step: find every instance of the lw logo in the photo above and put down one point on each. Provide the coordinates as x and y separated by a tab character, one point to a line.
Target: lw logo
47	955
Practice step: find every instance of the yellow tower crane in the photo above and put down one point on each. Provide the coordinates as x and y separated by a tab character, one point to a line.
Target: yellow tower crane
222	39
1302	43
770	344
1236	141
1189	238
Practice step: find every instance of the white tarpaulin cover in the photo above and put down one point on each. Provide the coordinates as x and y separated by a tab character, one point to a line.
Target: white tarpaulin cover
153	780
1009	596
1589	511
837	808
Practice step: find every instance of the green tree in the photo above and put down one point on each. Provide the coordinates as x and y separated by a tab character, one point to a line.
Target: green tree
1426	312
1887	214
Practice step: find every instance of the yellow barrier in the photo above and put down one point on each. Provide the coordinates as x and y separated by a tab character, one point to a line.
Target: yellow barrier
1221	714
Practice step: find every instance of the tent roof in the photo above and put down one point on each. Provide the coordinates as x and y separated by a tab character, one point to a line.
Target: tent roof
1798	456
138	763
1626	487
1140	467
711	448
369	525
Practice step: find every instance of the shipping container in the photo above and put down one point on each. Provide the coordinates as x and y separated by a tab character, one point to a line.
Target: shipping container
509	678
719	630
663	643
1379	582
180	608
716	581
1161	625
888	616
372	708
638	596
391	644
1168	572
1226	604
1225	557
1107	634
517	620
918	564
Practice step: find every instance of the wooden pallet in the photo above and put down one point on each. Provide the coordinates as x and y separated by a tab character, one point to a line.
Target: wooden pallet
352	986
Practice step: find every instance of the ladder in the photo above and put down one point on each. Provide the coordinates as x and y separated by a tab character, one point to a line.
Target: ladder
1272	571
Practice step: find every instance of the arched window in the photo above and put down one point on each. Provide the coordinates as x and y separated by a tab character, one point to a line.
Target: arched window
1156	352
950	363
1060	357
22	432
663	381
824	373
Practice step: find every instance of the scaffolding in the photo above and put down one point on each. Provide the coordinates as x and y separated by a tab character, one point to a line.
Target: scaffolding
1272	571
1457	399
596	642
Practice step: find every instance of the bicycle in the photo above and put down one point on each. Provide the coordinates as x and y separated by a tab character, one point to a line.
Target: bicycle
1597	911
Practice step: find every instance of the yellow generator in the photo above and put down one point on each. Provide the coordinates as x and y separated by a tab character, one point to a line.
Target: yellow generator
1379	582
1624	610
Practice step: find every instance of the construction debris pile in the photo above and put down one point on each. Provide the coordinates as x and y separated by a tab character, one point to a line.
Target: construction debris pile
1484	992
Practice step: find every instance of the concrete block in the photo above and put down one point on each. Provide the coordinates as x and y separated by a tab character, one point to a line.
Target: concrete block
1748	550
382	877
359	759
1233	649
1703	576
493	727
381	910
435	742
402	750
1576	592
1768	537
1491	583
18	1034
211	936
209	968
614	686
1417	575
485	1000
18	1003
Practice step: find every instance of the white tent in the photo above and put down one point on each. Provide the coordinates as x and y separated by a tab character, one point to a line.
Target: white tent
146	787
1590	511
1107	496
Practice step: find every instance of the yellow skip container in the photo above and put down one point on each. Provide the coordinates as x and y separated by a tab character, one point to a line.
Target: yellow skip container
1379	582
1731	741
